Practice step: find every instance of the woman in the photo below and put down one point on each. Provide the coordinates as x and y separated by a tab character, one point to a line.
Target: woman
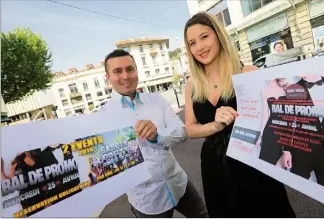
231	188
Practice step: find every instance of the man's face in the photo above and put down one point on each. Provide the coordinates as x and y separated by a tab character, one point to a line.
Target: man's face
122	74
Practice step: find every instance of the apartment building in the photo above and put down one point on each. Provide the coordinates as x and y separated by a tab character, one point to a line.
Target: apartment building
256	25
152	59
79	91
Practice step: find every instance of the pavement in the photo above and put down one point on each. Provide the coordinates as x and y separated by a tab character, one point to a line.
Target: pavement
188	156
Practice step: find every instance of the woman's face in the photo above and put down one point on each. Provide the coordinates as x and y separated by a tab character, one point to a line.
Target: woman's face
278	48
203	43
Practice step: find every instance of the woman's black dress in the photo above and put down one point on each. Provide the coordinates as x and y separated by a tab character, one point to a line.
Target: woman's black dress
271	152
231	188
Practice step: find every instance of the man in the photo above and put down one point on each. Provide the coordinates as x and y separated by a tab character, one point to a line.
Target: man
160	129
303	162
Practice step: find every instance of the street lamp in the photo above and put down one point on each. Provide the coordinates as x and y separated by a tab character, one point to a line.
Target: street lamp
176	94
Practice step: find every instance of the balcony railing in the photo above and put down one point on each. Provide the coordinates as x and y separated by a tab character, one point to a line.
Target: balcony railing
153	51
74	102
75	94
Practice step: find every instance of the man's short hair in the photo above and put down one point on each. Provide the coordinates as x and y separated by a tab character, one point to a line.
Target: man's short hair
277	43
321	44
117	53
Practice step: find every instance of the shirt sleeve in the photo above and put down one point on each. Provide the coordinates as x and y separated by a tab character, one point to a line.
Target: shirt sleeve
174	131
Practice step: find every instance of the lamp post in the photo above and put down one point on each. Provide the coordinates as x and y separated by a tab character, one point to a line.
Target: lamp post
176	95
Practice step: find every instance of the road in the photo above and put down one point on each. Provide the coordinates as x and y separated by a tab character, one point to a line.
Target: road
188	155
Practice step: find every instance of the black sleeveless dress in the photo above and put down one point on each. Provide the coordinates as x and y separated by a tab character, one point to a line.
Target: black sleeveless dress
232	188
271	152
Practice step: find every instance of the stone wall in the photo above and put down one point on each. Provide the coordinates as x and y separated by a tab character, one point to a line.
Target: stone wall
300	27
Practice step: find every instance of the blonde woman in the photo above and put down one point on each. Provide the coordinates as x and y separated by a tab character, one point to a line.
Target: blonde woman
231	188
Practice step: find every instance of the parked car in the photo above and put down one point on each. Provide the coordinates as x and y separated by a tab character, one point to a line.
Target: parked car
99	105
273	59
319	55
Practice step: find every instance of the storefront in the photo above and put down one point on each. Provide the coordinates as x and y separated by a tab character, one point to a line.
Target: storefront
316	14
262	36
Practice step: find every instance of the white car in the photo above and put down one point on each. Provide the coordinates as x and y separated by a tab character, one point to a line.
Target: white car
273	59
99	105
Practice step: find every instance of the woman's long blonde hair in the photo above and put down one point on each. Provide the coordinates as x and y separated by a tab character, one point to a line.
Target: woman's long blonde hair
228	59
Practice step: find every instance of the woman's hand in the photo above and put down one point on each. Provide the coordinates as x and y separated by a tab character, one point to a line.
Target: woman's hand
259	142
225	115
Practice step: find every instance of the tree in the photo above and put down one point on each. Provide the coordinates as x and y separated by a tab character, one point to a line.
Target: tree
26	64
175	54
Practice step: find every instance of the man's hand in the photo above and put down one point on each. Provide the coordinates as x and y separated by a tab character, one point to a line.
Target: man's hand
145	129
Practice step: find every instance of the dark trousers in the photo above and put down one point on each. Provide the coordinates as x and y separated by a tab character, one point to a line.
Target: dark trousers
190	205
303	163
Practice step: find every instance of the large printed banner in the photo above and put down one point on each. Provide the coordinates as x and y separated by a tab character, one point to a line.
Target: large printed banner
280	130
69	178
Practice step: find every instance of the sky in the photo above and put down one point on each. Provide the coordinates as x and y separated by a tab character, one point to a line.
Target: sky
77	38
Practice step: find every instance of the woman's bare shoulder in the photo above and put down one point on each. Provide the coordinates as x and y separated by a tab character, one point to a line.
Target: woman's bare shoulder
248	68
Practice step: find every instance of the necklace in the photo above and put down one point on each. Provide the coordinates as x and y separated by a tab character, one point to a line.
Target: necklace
215	86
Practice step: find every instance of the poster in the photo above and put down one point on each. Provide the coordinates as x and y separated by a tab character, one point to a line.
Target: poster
318	36
280	130
84	173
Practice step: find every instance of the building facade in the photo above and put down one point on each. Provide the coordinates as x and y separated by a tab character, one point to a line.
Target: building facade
80	91
152	59
256	25
37	106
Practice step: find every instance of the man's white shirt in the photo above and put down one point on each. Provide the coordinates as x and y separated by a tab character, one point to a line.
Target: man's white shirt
168	180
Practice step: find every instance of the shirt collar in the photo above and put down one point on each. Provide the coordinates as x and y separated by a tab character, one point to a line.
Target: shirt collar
125	100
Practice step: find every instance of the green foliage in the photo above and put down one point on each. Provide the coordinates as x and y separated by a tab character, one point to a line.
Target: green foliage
175	54
25	64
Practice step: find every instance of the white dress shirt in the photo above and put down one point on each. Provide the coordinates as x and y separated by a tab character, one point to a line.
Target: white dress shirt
168	180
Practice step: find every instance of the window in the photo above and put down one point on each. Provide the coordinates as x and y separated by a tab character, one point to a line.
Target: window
238	46
154	59
105	81
157	71
85	86
161	46
73	88
143	61
65	102
99	94
150	45
226	17
147	73
106	91
126	48
221	12
140	47
167	70
88	96
96	82
61	92
249	6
